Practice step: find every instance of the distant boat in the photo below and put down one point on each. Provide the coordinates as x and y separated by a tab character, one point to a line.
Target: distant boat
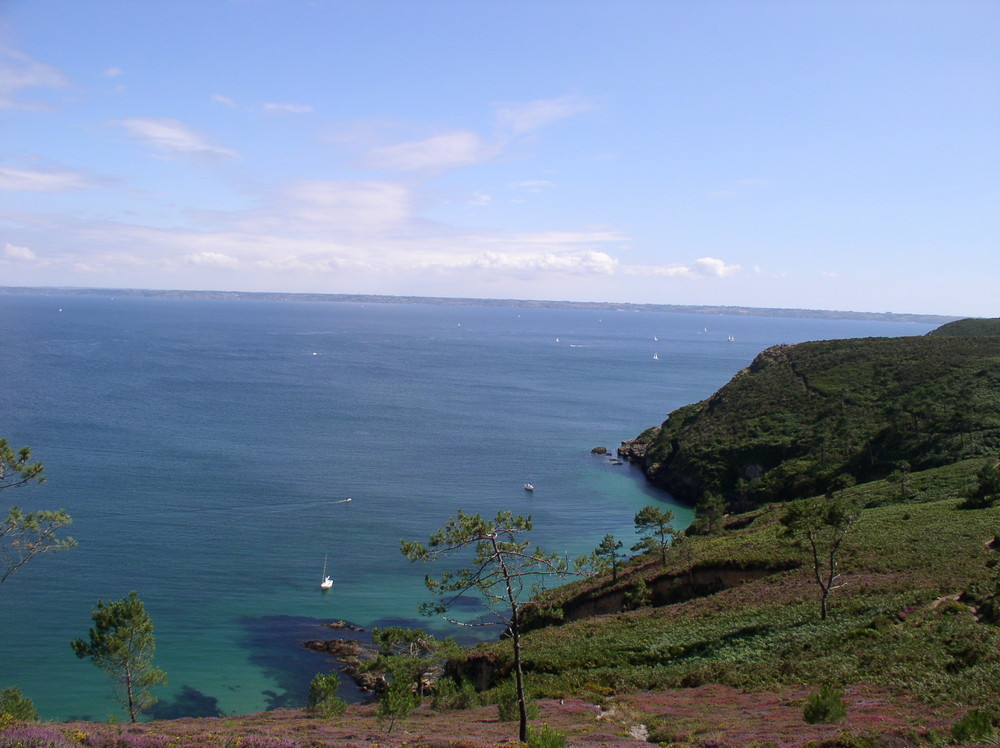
528	487
327	583
557	340
656	339
732	339
656	356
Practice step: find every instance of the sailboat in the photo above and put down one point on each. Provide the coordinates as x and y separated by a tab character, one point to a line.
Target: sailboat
327	583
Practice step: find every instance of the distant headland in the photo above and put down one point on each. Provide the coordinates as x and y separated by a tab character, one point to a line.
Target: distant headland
609	306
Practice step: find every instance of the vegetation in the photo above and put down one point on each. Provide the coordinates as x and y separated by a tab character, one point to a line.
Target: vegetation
819	526
502	565
825	705
801	415
655	531
26	535
16	705
323	699
121	643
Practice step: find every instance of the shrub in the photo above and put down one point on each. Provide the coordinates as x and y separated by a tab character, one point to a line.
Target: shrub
974	727
396	703
17	705
546	737
506	700
323	699
825	706
449	694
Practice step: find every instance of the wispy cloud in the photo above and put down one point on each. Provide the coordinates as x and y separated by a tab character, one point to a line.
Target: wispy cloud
447	151
285	108
704	267
22	254
19	72
522	117
174	137
40	181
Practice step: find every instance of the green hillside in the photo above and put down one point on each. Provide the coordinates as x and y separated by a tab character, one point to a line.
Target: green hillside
801	415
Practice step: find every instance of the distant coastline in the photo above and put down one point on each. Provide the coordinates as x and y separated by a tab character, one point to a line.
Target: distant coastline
739	311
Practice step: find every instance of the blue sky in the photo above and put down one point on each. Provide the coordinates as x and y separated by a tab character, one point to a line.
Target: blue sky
823	154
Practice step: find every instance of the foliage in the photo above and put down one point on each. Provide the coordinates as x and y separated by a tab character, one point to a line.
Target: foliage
546	737
502	565
508	704
655	531
16	468
609	555
709	513
17	705
121	643
825	706
26	535
396	703
323	699
406	655
639	596
820	525
800	415
449	694
986	492
974	727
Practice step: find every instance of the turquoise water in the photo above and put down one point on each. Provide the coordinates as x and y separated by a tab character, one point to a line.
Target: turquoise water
204	449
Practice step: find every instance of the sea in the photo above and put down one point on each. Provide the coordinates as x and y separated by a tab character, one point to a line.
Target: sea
206	449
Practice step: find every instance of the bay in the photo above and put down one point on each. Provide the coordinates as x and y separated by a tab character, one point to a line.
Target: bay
205	449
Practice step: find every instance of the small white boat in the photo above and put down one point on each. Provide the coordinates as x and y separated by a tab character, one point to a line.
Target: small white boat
327	583
732	339
528	487
656	356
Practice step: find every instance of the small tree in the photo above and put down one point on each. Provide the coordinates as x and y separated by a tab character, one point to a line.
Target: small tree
819	526
710	511
986	491
24	536
406	655
323	699
609	555
654	528
122	644
501	568
16	705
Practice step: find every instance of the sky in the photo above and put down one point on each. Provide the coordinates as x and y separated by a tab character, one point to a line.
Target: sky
830	154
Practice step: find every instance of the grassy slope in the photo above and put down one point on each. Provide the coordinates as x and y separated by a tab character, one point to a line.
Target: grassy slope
890	626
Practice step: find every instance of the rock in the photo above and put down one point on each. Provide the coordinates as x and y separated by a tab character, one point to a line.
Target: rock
343	626
599	451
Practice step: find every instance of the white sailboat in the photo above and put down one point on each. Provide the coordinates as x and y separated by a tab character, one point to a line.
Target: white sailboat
327	583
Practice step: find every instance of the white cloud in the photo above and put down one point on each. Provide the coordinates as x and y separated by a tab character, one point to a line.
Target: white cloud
224	100
12	252
173	136
523	117
480	200
18	72
212	259
704	267
113	72
447	151
40	181
584	263
270	106
364	206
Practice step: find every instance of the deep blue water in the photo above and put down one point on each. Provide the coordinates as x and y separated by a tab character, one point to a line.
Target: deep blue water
204	449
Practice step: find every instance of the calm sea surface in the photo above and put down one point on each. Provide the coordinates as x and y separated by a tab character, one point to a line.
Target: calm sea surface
204	449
